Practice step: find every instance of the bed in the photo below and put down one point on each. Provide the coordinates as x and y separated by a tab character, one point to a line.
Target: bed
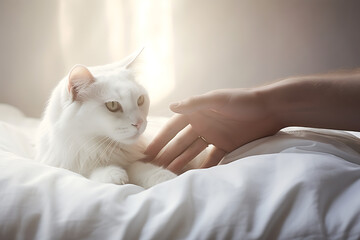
299	184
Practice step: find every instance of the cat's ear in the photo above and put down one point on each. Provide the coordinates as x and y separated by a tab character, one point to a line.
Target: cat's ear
79	79
132	60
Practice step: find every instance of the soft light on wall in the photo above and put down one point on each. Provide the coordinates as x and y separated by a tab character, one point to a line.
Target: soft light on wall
191	46
121	27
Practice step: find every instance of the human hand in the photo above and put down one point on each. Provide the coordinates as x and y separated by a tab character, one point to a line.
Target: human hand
226	119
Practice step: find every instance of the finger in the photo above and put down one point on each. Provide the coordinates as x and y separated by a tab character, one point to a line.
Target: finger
196	103
214	157
189	154
176	147
171	129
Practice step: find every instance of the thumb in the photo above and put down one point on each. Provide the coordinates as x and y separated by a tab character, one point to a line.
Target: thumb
193	104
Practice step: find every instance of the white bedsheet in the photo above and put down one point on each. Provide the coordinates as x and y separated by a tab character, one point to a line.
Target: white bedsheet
303	184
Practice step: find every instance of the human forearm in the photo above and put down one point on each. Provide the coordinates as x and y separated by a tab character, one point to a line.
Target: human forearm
230	118
323	101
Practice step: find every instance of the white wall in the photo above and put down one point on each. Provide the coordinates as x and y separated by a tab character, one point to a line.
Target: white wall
200	45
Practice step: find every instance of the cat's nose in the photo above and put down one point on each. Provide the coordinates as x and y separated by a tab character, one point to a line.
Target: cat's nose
138	123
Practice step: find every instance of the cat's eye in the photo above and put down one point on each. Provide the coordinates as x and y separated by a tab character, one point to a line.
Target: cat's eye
113	106
141	100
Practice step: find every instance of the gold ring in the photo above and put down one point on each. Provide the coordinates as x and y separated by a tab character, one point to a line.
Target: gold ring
202	138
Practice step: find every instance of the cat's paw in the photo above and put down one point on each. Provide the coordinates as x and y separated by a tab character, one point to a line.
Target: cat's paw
160	176
110	174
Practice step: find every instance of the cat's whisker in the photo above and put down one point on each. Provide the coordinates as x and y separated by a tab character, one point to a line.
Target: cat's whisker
109	149
106	142
99	145
115	146
90	151
83	145
99	157
76	152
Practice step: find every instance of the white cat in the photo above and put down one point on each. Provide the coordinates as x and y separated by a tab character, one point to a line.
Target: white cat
93	123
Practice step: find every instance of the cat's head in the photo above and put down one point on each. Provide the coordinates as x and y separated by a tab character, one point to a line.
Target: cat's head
107	101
